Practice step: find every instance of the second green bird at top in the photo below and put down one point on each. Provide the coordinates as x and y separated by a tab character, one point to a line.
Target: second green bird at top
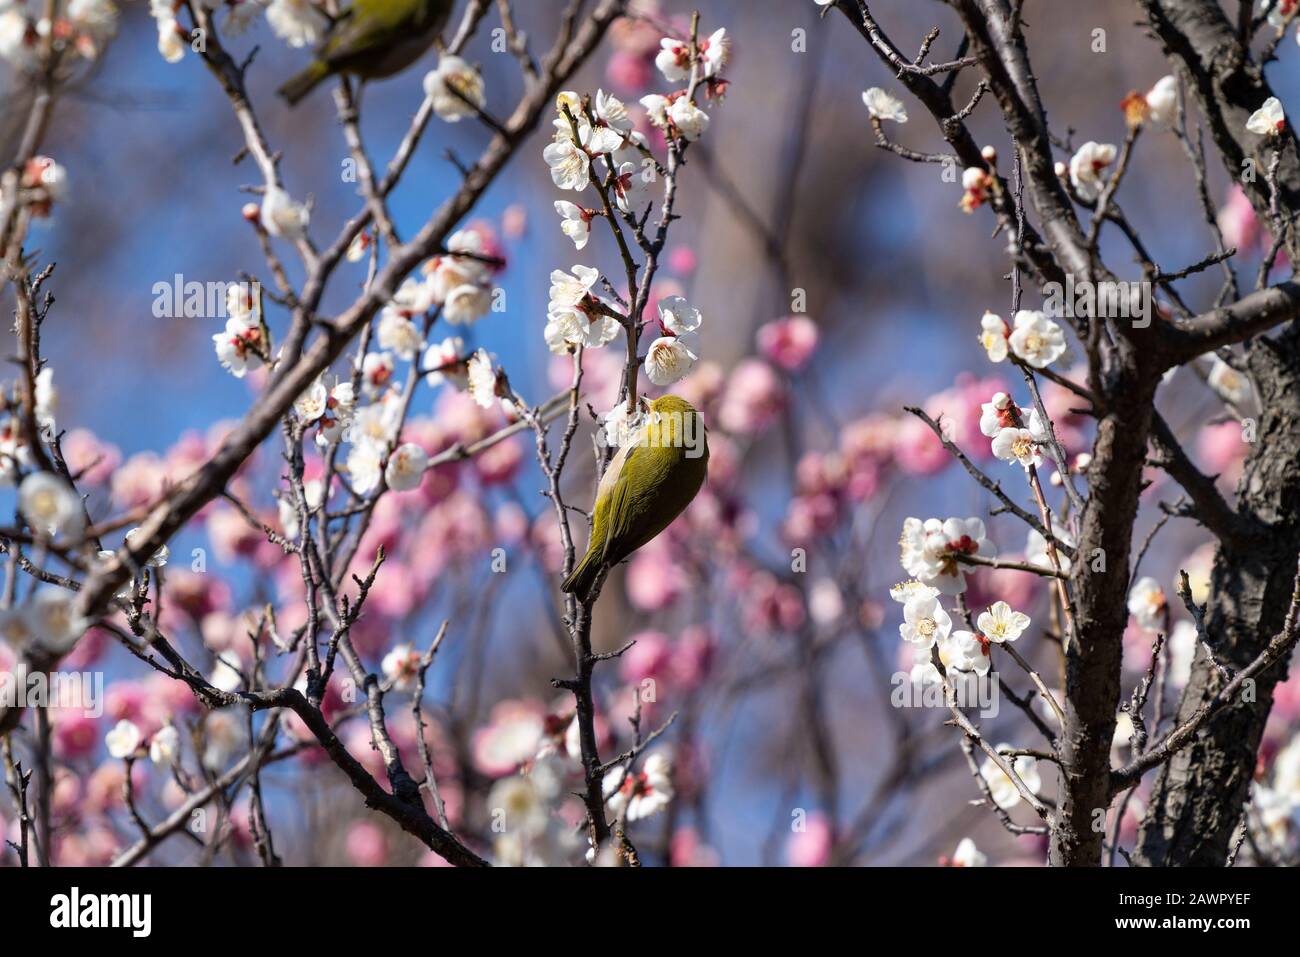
373	39
648	483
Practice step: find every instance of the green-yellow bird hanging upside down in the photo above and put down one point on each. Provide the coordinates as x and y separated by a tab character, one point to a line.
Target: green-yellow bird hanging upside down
648	484
373	39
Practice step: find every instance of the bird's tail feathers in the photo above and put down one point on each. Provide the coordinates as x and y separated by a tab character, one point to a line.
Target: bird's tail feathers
583	577
304	82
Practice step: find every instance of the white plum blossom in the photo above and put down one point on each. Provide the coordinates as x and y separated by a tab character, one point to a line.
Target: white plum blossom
95	22
1182	651
715	50
923	672
165	746
1229	384
282	216
999	413
904	592
311	405
1001	623
405	468
884	106
242	346
225	675
460	266
313	491
522	811
994	333
555	332
572	316
445	362
1269	119
401	666
930	550
1003	790
415	297
575	222
691	121
968	855
1147	604
1162	100
399	334
466	304
569	289
361	242
454	76
365	467
618	427
670	358
1086	167
1018	446
1036	547
376	424
239	301
678	316
54	622
967	652
612	111
482	379
656	108
1279	812
641	794
124	740
976	182
597	140
50	506
329	407
17	38
171	37
568	326
570	165
634	149
633	181
674	57
240	15
924	620
16	628
376	372
1036	339
299	23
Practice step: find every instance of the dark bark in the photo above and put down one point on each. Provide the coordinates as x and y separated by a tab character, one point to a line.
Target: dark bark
1197	799
1198	796
1093	660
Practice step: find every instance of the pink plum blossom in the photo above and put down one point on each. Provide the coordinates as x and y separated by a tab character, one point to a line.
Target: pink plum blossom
788	343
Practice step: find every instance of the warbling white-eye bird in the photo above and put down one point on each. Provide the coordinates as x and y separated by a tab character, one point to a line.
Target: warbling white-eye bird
648	483
373	39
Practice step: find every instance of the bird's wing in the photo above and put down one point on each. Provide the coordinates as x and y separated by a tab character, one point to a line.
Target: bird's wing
615	488
379	22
